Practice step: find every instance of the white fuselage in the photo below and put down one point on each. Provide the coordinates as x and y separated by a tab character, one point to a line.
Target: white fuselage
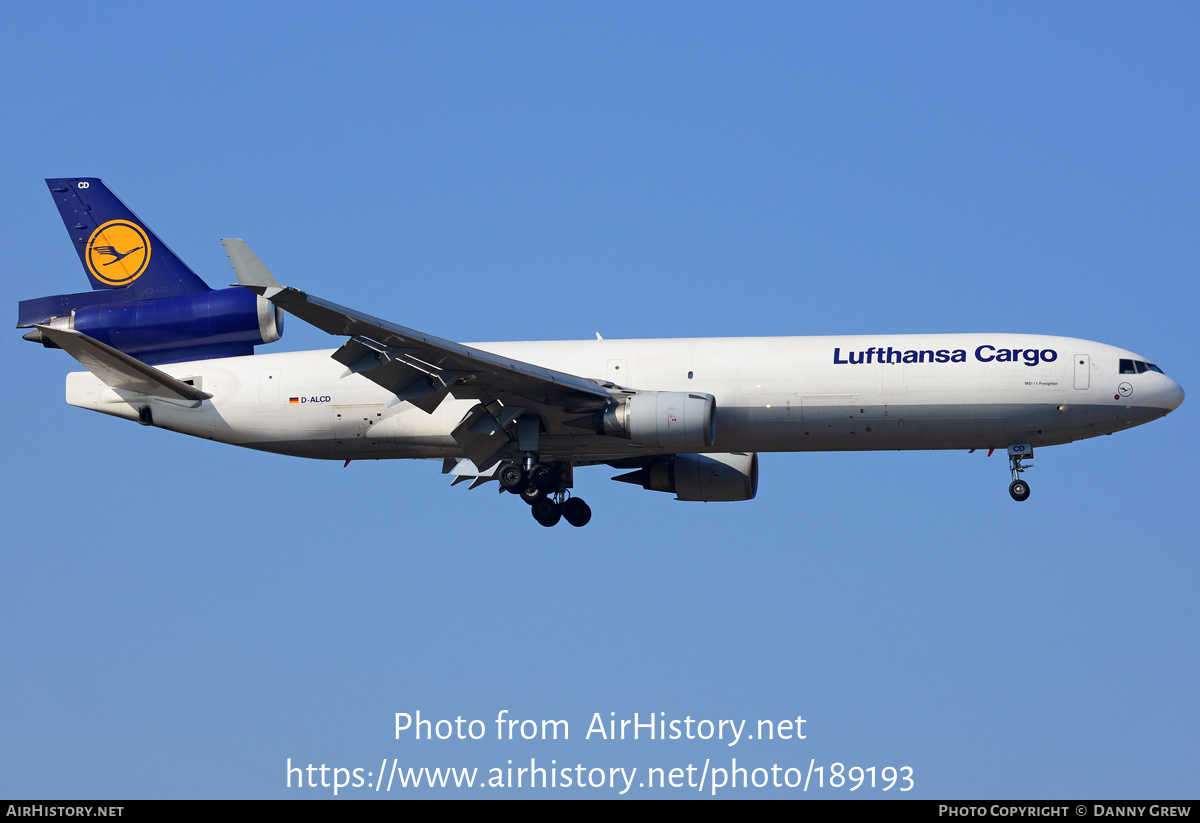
946	391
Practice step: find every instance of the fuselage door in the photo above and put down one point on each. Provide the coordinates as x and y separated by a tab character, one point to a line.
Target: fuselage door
351	424
1083	371
618	372
268	387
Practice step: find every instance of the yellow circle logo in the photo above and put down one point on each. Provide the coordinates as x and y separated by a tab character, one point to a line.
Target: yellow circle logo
118	252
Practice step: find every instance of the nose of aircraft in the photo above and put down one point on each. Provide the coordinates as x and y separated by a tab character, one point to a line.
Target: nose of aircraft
1172	396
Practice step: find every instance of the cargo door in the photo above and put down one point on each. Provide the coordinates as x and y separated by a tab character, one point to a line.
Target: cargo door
351	425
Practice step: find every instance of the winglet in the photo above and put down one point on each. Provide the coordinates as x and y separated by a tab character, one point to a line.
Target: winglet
119	370
250	271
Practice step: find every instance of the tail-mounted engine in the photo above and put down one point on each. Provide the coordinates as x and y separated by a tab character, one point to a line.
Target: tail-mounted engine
215	323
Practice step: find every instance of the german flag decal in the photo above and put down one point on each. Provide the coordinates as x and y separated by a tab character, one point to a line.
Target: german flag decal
293	399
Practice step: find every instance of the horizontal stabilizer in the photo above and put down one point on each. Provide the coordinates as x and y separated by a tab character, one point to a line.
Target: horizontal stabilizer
249	269
119	370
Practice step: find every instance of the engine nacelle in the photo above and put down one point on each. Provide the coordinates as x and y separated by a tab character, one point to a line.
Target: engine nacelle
707	478
664	420
216	323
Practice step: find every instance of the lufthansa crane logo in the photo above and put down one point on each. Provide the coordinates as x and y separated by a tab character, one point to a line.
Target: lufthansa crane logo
118	252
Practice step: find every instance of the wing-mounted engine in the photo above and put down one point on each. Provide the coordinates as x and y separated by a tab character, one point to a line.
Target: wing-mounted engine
662	420
707	478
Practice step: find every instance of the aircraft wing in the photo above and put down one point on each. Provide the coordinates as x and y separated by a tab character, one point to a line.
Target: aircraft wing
415	365
422	369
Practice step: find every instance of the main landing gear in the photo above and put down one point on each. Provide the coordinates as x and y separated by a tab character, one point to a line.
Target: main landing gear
541	486
1018	488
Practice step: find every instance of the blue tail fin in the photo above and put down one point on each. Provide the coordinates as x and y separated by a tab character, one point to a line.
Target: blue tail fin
117	249
145	301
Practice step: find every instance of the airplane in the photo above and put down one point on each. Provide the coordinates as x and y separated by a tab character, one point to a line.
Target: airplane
164	349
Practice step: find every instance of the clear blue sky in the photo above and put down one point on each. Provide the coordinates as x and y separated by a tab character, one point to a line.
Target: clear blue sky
180	617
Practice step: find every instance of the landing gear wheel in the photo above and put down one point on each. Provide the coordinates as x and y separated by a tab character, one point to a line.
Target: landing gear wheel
576	512
546	512
544	478
1019	490
512	477
1018	453
531	495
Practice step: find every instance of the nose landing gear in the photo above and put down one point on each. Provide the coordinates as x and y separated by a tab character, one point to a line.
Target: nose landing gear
1018	488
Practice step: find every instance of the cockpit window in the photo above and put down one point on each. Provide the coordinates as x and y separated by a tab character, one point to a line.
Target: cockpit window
1138	367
